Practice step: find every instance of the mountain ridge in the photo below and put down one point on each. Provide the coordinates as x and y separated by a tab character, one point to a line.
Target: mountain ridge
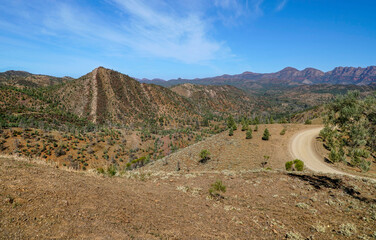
286	76
107	95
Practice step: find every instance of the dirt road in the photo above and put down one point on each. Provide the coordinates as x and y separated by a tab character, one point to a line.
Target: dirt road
302	147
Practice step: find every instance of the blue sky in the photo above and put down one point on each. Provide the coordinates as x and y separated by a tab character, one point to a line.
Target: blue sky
185	38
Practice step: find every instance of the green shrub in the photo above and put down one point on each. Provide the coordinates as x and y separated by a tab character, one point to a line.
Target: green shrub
283	132
256	128
365	165
299	165
111	170
288	165
308	122
216	188
296	165
100	170
333	156
266	135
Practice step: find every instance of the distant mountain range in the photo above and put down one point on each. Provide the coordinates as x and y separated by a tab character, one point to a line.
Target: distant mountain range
288	77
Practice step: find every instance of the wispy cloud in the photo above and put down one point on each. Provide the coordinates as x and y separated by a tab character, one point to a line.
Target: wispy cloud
232	11
168	34
281	5
156	28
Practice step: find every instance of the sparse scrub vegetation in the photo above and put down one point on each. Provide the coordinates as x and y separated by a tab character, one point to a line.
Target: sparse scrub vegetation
347	229
350	130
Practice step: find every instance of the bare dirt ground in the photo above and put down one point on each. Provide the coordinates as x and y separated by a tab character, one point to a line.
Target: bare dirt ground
236	152
42	202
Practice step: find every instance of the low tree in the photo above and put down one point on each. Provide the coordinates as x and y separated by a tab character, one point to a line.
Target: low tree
244	125
231	123
248	134
271	120
266	135
231	132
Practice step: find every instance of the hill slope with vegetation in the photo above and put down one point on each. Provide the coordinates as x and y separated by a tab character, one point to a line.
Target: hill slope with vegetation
22	79
218	99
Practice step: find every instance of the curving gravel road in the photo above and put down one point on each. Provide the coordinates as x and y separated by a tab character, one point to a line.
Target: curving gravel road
302	147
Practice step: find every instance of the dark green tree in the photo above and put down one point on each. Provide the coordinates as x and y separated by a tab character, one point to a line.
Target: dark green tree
231	123
266	135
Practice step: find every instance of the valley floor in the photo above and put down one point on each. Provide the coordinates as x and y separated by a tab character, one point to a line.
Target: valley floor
42	202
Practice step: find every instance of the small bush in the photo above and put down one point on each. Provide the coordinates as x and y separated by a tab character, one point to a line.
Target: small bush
100	170
283	132
59	152
256	128
308	122
216	188
299	165
111	170
288	165
296	165
204	156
